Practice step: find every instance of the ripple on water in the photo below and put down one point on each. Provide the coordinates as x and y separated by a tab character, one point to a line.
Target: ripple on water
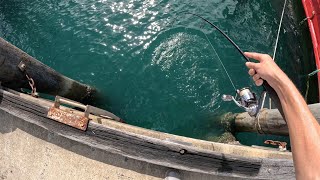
180	75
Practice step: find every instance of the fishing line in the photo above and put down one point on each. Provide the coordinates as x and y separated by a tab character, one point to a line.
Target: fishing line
224	68
226	36
221	62
253	107
247	99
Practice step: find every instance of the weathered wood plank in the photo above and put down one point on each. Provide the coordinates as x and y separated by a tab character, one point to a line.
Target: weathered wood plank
150	150
271	121
46	79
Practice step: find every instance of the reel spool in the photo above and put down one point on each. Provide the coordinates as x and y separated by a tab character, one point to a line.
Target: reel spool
247	100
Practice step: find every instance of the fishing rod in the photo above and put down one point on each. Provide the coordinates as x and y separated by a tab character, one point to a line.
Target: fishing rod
247	99
224	34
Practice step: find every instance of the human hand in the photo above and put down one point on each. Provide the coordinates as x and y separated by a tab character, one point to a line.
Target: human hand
266	69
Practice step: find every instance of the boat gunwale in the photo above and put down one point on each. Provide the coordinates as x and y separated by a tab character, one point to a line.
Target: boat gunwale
235	149
147	149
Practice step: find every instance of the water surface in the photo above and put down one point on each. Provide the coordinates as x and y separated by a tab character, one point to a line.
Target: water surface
153	65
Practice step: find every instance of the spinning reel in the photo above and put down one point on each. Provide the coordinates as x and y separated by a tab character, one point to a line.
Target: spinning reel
247	100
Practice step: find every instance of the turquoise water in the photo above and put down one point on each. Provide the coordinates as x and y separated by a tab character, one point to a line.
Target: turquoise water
153	65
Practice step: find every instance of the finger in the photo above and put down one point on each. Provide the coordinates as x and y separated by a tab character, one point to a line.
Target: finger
259	82
252	65
252	72
256	77
256	56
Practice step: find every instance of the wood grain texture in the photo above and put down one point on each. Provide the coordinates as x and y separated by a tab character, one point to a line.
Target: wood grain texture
46	79
271	121
149	150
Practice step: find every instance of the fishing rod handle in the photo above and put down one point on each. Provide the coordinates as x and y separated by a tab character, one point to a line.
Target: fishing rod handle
274	97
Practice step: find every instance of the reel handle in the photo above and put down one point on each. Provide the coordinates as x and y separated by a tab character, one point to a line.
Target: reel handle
274	96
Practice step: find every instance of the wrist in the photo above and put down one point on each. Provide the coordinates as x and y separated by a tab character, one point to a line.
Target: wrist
278	81
281	84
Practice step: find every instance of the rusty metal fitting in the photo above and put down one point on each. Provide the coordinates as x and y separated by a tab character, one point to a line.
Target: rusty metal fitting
68	117
282	145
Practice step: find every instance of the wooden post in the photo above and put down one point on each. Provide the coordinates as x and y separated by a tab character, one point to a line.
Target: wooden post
46	79
271	121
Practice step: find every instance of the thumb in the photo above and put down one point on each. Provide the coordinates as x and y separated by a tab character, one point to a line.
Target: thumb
252	65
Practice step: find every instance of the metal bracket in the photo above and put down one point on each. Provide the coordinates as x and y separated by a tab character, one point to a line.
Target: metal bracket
67	116
75	120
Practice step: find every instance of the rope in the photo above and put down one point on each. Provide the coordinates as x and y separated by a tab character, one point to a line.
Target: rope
277	40
279	28
308	84
305	19
260	131
313	72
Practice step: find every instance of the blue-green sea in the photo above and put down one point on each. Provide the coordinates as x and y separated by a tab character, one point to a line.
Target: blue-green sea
154	65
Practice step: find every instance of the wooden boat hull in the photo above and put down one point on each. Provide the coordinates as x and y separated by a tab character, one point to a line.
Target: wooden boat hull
34	146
